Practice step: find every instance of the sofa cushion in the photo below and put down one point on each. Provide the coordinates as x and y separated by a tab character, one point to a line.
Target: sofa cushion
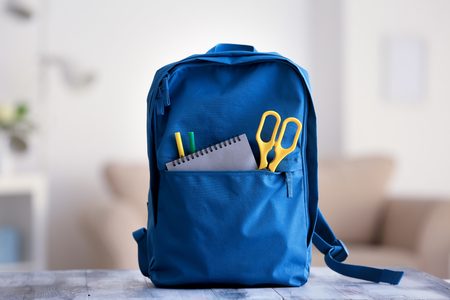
130	182
351	196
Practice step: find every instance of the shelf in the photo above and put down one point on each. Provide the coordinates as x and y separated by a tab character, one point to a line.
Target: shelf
34	187
22	183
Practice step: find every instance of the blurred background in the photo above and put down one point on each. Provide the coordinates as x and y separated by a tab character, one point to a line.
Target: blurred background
74	77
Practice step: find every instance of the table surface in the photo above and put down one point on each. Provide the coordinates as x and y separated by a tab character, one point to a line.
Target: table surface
117	284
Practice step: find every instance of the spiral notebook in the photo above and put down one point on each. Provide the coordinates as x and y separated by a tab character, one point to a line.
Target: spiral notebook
232	154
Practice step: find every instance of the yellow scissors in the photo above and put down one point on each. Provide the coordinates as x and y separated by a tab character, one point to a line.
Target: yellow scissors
280	152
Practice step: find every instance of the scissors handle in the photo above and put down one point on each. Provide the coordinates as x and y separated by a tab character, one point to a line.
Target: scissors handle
281	152
264	147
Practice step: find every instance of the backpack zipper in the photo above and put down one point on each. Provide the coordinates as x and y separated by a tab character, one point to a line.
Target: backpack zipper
162	97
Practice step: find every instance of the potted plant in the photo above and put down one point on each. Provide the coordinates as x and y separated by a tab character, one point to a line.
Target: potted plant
14	131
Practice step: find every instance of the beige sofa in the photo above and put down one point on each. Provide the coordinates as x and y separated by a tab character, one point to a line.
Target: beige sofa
378	231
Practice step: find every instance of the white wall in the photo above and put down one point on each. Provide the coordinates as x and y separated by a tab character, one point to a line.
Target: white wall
125	42
18	67
416	134
325	42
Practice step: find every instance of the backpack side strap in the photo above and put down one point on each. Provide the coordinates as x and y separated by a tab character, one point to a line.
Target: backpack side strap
140	236
336	252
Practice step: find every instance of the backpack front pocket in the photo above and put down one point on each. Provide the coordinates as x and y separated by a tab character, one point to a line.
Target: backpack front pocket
230	227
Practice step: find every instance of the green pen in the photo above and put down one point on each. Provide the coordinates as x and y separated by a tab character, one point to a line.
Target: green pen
191	142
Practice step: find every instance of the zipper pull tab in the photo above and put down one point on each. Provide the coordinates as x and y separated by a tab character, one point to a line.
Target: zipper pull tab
288	179
165	90
162	96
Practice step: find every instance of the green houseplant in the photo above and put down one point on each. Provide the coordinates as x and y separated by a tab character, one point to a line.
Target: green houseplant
15	126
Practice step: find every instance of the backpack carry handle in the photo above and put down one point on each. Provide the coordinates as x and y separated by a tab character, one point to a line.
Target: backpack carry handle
232	47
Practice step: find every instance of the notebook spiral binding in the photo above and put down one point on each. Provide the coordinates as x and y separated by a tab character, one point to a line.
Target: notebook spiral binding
204	151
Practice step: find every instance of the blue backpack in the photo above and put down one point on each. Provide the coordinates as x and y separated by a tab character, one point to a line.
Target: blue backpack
235	227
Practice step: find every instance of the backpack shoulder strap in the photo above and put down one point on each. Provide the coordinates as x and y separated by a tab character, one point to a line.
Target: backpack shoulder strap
336	252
